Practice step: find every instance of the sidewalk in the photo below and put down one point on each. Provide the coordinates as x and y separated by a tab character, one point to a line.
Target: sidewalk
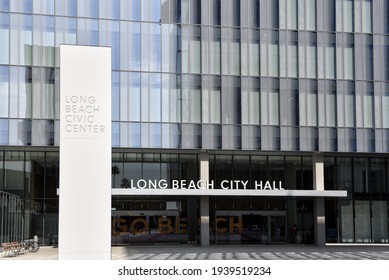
232	252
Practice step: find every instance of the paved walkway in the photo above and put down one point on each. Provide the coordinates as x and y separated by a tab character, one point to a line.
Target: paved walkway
243	252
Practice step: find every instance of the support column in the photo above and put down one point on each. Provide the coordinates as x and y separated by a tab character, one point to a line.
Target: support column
204	201
319	211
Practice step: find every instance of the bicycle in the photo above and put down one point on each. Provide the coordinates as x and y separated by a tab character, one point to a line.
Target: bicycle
29	244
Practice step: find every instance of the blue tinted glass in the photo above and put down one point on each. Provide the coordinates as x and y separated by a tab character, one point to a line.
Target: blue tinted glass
155	135
115	134
4	21
155	10
4	5
3	132
26	6
4	73
115	44
134	9
134	134
115	9
115	95
71	7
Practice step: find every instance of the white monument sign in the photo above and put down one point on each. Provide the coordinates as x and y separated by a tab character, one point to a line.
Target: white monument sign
85	153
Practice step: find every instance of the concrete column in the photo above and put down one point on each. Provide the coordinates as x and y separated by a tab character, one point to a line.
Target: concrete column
204	201
319	211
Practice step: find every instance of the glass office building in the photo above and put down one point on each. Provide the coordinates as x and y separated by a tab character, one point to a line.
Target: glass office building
232	90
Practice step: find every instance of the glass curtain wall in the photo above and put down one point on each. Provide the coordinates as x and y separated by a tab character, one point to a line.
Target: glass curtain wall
362	217
33	177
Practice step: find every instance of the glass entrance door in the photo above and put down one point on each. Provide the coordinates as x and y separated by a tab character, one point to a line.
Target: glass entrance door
145	227
251	227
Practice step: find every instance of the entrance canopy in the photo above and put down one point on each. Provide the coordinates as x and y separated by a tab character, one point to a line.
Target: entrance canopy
218	192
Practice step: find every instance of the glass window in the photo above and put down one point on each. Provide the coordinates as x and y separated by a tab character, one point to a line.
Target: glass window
214	51
115	134
328	15
48	41
20	132
292	55
134	135
88	8
344	173
151	10
109	9
346	221
4	38
253	57
368	105
362	221
349	62
366	16
251	101
66	8
65	33
289	103
24	6
3	133
234	52
292	14
43	7
273	55
385	108
47	95
271	12
171	98
154	55
109	36
4	5
270	103
87	32
308	104
349	106
348	15
264	53
310	12
195	11
312	108
330	58
130	9
195	51
215	12
254	13
21	39
191	99
115	95
42	133
379	221
21	92
169	45
235	9
311	56
134	95
231	100
331	107
211	98
134	46
4	94
155	97
366	46
124	97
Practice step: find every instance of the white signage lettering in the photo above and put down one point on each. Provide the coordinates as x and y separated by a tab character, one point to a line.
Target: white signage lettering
203	184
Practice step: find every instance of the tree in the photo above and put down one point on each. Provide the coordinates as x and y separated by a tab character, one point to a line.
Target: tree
115	171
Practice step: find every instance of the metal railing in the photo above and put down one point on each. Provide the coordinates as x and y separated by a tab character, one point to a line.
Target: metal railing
11	217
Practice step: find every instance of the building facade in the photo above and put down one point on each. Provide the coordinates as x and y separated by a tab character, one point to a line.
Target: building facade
289	96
